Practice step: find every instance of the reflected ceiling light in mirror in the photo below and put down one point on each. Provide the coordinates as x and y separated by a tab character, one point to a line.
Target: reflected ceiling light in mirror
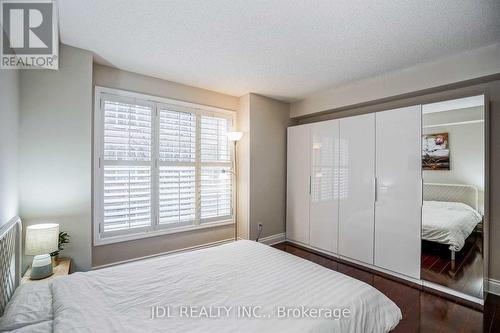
455	104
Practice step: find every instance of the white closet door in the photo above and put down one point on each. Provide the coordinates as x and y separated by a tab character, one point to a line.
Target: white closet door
357	187
324	186
298	183
399	190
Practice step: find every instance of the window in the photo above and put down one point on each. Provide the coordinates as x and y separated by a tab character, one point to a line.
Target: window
161	166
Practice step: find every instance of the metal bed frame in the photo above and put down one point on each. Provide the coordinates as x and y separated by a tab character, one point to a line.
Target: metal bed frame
10	260
467	194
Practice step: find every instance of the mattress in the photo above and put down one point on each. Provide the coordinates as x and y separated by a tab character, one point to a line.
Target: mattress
238	287
448	223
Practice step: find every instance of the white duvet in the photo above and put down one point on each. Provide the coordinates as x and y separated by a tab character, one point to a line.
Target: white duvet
235	276
448	223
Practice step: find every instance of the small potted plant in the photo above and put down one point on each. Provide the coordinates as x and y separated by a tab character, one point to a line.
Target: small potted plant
63	239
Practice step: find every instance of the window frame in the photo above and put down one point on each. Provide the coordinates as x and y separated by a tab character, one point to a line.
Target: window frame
155	229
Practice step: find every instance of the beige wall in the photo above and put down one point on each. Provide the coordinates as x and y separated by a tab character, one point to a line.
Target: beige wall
269	120
465	66
492	91
262	165
124	251
115	78
243	163
9	123
55	142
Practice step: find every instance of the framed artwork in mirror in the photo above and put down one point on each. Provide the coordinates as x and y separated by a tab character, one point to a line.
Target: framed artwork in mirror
435	152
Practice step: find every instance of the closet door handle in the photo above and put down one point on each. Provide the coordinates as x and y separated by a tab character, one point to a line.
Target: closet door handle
376	189
310	185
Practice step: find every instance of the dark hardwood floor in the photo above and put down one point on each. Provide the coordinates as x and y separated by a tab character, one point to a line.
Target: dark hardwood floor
422	311
466	275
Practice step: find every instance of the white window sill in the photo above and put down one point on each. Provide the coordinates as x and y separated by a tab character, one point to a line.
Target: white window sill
104	240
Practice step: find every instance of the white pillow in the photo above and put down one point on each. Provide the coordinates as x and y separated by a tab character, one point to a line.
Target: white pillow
30	304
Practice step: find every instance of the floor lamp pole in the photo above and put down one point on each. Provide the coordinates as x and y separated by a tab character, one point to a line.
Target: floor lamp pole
235	162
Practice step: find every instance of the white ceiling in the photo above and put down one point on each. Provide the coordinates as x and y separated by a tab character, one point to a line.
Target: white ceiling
284	49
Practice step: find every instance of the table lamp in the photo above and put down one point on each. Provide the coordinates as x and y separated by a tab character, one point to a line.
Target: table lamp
41	240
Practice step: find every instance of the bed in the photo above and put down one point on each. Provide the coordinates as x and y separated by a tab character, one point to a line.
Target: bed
449	214
251	285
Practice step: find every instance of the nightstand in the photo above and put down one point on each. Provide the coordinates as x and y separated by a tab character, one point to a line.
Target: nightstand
62	269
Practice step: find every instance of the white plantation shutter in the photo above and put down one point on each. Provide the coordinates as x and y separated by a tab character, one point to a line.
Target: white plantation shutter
177	154
177	195
216	194
126	162
127	131
216	178
161	166
177	135
127	197
214	142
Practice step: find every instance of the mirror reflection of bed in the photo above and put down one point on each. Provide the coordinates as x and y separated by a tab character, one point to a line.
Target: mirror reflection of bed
453	158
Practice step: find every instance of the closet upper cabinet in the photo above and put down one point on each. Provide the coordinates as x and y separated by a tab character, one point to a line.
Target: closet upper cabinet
357	187
298	183
398	203
324	185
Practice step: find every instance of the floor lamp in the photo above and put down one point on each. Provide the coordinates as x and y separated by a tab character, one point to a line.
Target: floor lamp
234	137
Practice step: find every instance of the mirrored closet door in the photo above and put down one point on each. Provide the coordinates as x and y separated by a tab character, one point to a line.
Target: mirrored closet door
453	210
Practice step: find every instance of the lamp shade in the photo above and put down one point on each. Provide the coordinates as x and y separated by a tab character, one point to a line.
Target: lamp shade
234	136
42	238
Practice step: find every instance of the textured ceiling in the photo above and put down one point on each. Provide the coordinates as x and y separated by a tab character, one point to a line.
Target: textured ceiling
284	49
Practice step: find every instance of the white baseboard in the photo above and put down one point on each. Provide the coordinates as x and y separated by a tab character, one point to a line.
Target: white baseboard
493	287
185	249
273	239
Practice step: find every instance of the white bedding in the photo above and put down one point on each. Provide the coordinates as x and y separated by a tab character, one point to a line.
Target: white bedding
244	273
448	223
29	310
